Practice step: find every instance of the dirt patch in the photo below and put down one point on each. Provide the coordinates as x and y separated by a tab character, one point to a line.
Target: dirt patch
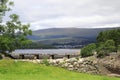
112	64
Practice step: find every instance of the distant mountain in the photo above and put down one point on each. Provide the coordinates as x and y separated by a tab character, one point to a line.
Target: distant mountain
66	36
55	33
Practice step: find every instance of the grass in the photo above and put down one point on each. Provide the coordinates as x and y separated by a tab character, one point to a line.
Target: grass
12	70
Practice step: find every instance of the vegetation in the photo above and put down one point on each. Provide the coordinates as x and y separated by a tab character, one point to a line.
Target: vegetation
109	35
16	70
45	62
70	37
105	48
107	41
118	48
13	33
0	56
88	50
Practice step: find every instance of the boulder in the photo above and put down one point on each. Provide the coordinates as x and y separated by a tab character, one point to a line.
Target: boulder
70	66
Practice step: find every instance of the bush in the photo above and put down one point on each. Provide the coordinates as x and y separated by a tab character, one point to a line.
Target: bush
88	50
0	56
106	48
118	49
45	62
102	53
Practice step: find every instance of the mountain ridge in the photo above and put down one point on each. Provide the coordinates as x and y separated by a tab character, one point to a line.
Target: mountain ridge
67	36
66	32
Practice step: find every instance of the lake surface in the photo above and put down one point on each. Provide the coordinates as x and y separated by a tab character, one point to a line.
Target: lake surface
47	51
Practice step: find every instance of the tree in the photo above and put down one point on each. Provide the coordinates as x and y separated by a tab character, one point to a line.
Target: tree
118	48
109	35
88	50
101	37
107	41
105	48
4	7
13	33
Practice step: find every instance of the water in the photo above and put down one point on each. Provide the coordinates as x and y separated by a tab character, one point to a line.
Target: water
46	51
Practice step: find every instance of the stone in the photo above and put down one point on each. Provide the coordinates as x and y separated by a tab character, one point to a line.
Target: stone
75	63
80	61
38	61
66	65
70	66
71	69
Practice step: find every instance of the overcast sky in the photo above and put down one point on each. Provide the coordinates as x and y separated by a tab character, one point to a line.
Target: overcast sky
43	14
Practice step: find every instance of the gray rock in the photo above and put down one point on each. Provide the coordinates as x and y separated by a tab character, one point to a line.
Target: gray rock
70	66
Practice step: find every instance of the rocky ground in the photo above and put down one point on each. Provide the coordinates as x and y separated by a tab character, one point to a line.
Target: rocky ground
77	64
112	64
109	65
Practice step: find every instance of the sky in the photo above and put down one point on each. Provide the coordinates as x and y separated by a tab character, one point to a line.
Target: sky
42	14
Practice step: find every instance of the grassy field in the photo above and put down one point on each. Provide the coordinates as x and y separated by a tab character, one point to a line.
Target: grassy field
12	70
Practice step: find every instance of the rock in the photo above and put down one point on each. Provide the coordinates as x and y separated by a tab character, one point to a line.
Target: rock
38	61
61	61
75	68
81	65
70	66
34	61
80	61
64	58
75	63
66	64
71	69
72	60
68	60
94	62
57	62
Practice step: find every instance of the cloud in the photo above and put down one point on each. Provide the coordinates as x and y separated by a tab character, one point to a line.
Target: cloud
68	13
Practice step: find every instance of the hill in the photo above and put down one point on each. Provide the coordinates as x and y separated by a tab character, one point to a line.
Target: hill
52	33
70	37
16	70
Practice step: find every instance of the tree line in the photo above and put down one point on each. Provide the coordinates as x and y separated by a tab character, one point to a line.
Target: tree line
107	41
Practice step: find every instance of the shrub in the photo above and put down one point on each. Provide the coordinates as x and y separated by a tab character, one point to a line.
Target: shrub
45	62
102	53
106	48
0	56
88	50
118	48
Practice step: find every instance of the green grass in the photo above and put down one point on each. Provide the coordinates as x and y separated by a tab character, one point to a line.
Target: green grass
11	70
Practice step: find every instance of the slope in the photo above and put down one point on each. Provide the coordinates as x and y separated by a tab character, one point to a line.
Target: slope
13	70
